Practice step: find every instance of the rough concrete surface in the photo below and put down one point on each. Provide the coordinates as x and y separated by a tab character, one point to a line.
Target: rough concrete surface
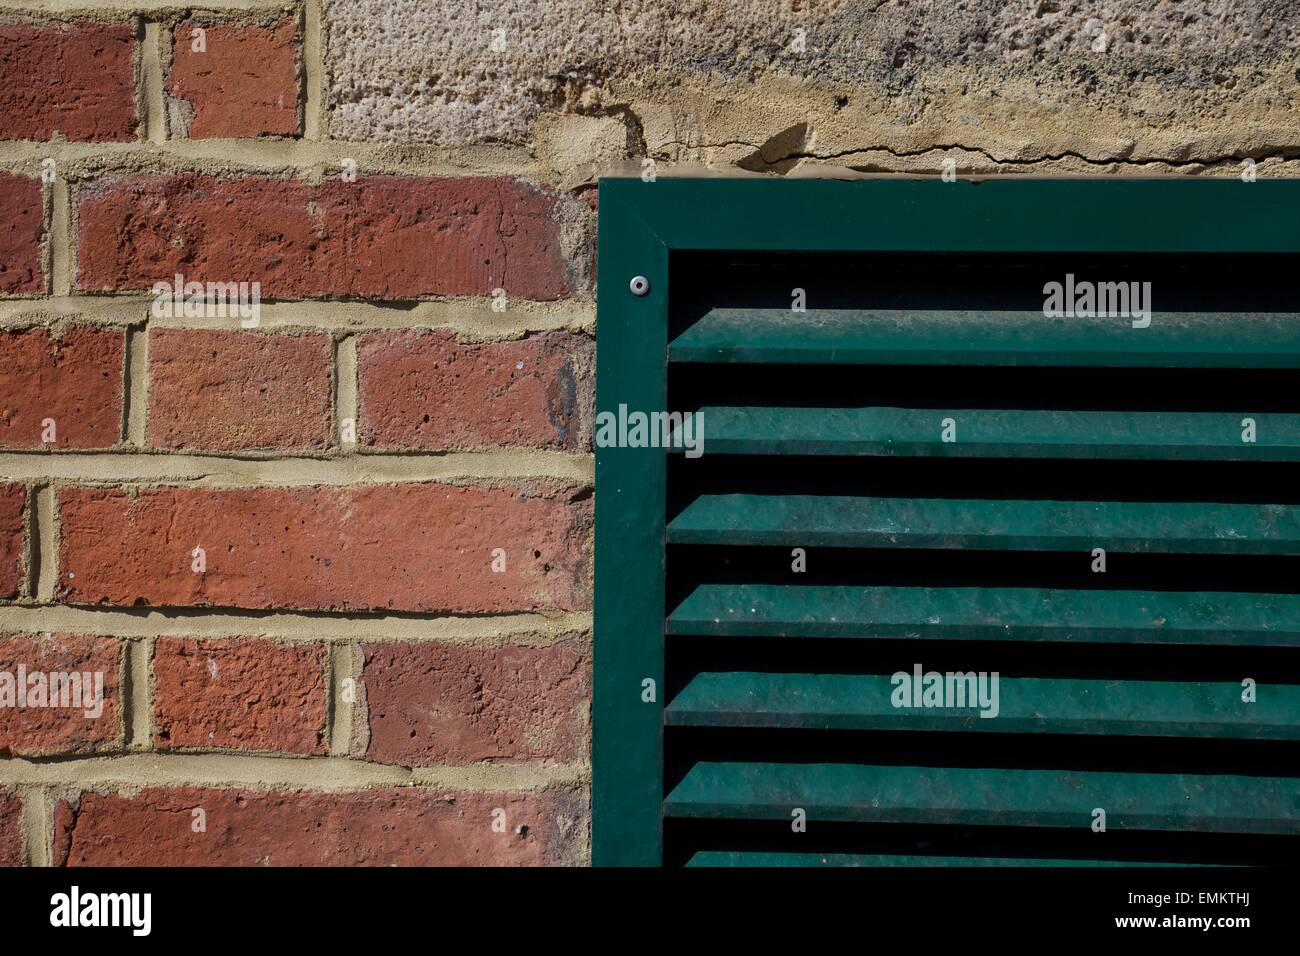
866	82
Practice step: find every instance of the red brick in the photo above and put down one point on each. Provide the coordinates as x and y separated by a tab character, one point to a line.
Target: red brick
41	731
240	693
412	547
426	391
390	827
22	235
72	375
381	237
229	390
446	703
13	539
76	80
11	829
244	83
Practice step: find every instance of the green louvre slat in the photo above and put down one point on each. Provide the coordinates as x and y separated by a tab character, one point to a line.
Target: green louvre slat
1024	705
740	858
998	433
987	797
1012	614
1003	525
849	337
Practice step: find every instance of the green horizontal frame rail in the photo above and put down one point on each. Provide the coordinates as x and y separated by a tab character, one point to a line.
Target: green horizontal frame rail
987	797
848	337
990	614
999	525
1023	705
740	858
643	224
928	215
997	433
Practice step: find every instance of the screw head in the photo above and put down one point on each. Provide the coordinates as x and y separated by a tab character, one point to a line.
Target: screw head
639	285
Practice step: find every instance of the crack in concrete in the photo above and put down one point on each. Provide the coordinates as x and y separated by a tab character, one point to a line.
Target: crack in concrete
1284	154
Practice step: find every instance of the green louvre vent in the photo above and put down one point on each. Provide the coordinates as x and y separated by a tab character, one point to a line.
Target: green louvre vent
953	570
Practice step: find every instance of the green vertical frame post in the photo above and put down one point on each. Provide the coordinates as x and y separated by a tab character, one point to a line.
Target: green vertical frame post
641	222
631	487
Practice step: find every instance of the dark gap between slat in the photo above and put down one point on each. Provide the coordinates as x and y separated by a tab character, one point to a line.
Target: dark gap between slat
976	478
969	281
1230	391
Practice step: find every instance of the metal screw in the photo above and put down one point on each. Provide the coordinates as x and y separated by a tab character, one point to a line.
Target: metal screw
639	285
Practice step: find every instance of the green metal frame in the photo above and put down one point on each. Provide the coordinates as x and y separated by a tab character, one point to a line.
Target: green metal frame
640	223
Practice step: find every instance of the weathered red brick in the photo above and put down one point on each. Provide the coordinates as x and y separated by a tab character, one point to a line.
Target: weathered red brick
75	80
71	375
11	829
447	703
227	390
13	539
242	693
381	237
412	547
244	83
390	827
43	730
22	235
424	390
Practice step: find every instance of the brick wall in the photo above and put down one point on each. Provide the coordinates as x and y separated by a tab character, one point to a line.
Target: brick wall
334	567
